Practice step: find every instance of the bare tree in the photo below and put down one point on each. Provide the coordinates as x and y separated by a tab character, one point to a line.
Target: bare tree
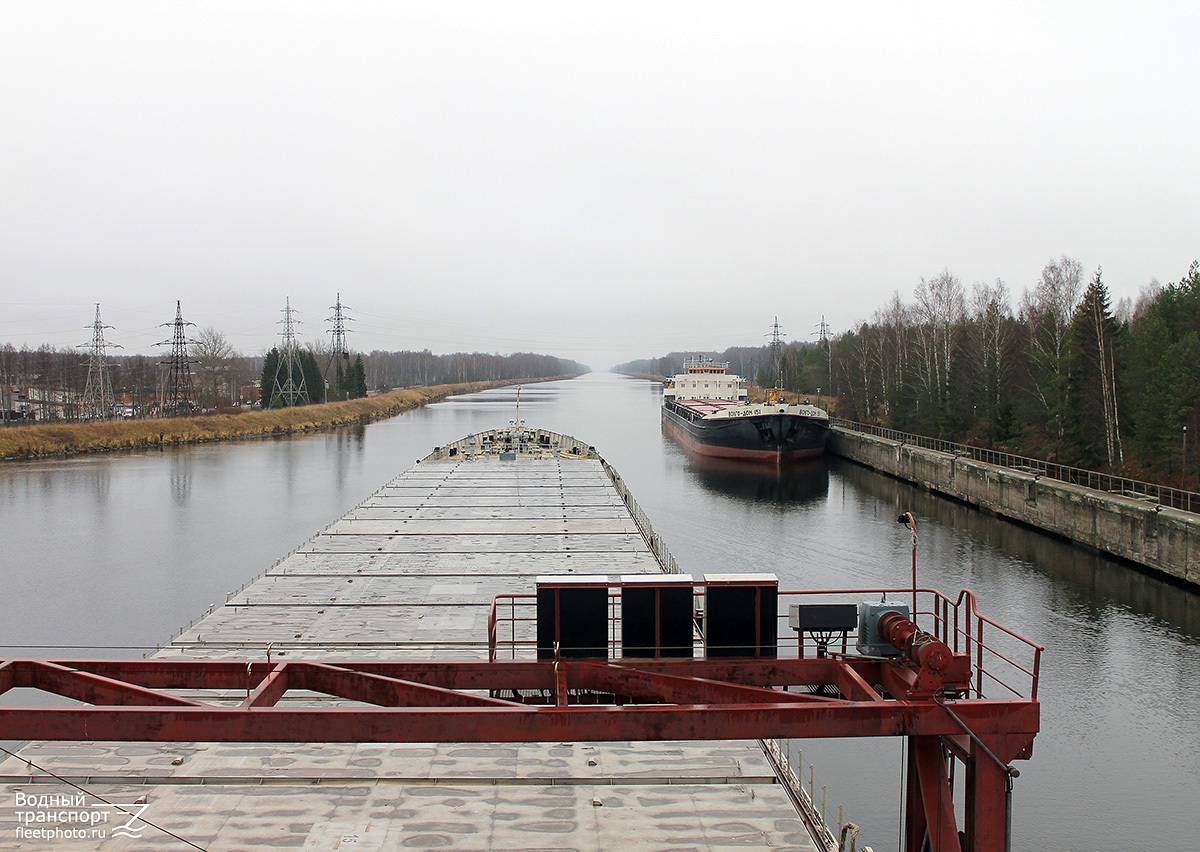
1047	312
8	367
940	312
992	336
856	372
1054	299
1147	296
894	346
214	357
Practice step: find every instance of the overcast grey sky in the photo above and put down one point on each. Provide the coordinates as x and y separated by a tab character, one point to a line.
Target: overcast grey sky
601	181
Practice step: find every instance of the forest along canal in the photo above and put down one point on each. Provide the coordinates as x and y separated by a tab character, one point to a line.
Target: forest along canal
107	555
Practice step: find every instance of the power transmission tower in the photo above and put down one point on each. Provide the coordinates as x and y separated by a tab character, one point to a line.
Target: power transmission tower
290	391
777	352
6	390
339	358
824	341
98	399
179	397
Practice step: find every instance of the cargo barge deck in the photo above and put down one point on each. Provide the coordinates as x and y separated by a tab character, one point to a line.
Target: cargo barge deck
410	574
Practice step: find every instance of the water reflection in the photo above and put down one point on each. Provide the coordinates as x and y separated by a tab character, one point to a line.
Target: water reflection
181	478
101	483
1087	583
797	483
530	395
349	444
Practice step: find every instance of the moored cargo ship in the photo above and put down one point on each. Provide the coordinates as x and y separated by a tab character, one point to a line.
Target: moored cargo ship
707	410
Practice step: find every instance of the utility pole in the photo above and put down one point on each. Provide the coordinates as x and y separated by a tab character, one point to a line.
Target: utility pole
178	396
286	387
339	358
98	400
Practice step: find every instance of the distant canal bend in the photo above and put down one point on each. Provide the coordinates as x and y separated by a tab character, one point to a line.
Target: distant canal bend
115	552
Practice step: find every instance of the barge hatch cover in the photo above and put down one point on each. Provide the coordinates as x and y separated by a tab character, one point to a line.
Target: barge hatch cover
410	575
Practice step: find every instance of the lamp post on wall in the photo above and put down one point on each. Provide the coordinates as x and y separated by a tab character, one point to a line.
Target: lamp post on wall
909	521
1183	474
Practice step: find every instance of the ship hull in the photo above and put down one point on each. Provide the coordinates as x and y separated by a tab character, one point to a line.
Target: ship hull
770	437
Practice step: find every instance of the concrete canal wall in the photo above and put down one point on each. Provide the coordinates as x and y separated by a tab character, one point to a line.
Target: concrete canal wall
1158	537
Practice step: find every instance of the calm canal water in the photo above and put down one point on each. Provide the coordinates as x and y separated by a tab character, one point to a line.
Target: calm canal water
114	553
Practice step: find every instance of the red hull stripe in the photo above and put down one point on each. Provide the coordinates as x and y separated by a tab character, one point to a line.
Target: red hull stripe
702	449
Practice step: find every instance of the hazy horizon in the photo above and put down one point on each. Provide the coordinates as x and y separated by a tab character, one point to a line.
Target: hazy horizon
602	183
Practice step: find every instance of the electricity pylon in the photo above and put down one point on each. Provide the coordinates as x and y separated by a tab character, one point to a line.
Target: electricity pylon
98	402
286	387
824	341
179	396
339	358
777	353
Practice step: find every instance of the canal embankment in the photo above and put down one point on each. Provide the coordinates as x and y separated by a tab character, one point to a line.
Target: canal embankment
1131	523
40	440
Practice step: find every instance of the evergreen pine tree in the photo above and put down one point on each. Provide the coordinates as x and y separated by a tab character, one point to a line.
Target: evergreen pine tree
267	380
314	381
1164	375
1091	427
356	380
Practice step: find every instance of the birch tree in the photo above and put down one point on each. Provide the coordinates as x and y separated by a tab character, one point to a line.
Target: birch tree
940	310
993	333
891	348
1048	311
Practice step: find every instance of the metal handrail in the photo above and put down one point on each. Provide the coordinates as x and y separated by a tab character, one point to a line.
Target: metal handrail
491	623
967	597
1177	498
954	627
658	548
957	622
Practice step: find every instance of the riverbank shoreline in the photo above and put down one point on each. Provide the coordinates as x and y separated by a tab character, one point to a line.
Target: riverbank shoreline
48	440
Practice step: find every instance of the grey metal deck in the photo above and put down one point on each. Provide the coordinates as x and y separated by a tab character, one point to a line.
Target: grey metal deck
410	574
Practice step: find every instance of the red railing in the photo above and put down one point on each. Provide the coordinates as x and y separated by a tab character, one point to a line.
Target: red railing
1004	659
960	625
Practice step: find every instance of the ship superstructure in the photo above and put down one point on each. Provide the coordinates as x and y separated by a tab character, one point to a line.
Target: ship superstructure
708	410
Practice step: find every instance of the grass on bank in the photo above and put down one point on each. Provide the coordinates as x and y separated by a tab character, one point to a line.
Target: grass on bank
45	439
